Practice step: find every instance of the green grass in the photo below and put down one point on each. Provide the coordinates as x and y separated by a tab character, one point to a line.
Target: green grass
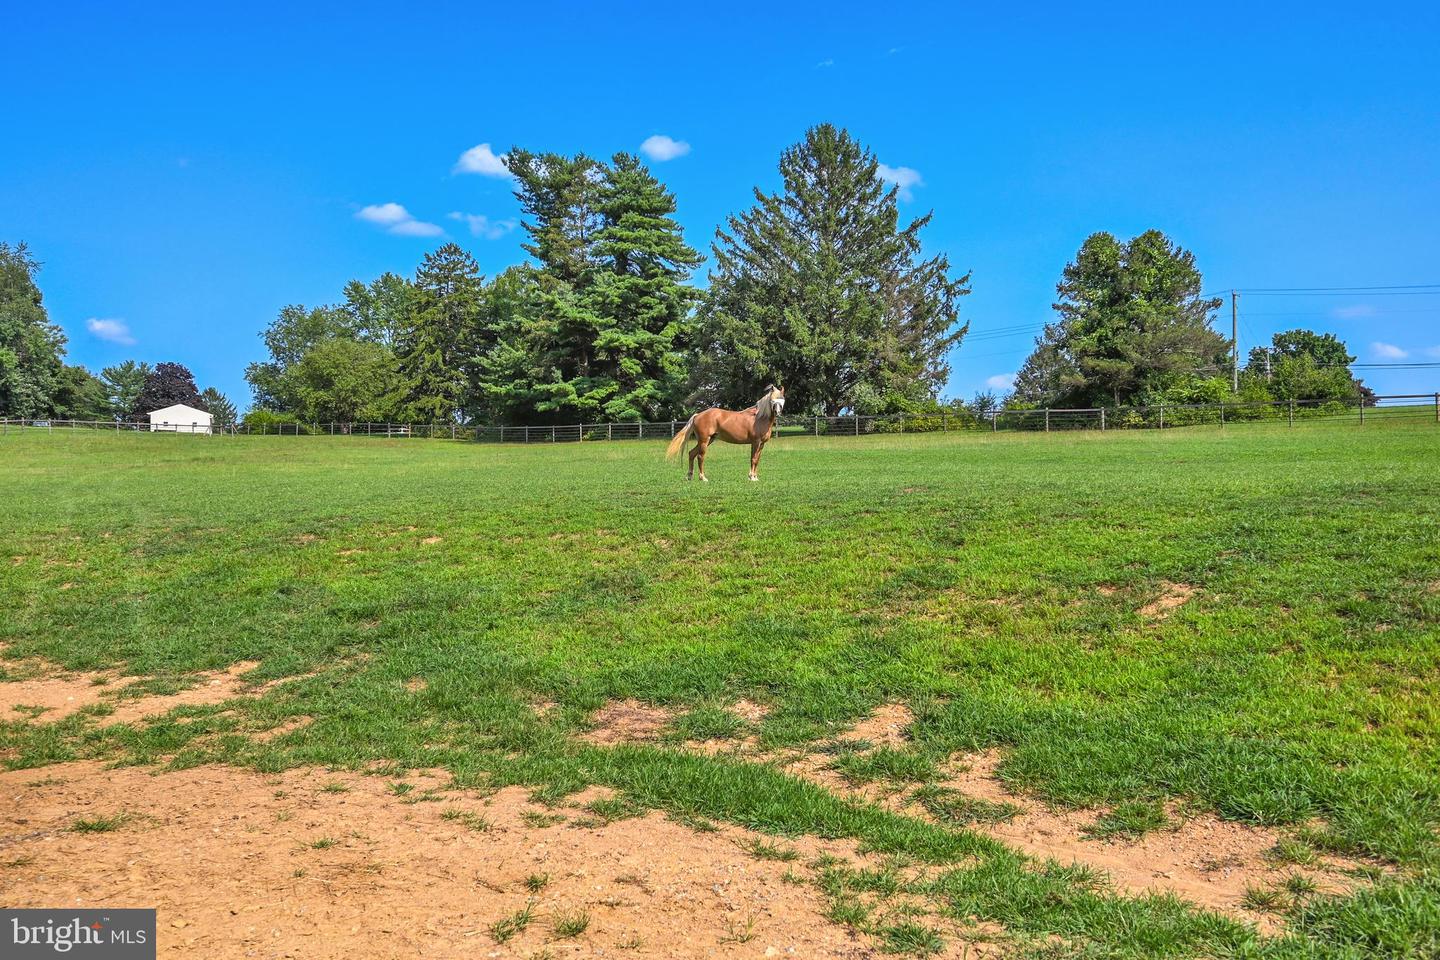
1131	819
567	926
953	807
100	824
506	927
992	583
767	850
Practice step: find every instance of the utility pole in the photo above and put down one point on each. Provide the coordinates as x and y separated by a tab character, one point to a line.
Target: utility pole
1234	342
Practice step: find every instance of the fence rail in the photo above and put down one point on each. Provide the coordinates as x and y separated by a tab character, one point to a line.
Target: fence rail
1415	406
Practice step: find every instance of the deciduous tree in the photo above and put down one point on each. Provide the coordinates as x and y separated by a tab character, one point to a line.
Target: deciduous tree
167	385
1132	322
31	347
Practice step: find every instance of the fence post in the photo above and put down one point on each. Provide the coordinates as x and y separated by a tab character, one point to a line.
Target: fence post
609	429
1102	419
1047	419
1162	416
1437	408
1222	414
857	424
944	421
1362	411
994	420
1290	413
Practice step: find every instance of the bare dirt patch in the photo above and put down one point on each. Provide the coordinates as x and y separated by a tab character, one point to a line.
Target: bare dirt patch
887	726
241	864
289	726
625	721
1204	859
1172	596
749	710
58	695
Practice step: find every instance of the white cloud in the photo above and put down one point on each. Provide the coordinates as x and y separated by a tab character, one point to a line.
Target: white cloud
484	161
1353	312
1388	351
115	331
1001	381
824	63
397	220
482	226
906	178
661	148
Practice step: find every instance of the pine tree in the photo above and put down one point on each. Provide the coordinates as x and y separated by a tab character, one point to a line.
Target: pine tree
596	328
31	347
818	287
640	295
440	339
123	383
558	196
222	411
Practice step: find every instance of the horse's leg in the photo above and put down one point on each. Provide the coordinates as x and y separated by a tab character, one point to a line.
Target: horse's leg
694	450
755	448
701	448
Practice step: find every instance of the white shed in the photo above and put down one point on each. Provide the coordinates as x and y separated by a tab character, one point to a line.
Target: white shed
180	418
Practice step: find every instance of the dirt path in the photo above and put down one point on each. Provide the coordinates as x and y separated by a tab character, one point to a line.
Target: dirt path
317	865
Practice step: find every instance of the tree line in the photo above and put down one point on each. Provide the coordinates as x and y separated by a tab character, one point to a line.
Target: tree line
37	383
819	286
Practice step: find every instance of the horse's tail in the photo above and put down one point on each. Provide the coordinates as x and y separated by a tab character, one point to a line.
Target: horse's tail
678	443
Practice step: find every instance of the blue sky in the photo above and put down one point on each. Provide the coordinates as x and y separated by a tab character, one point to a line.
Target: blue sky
184	171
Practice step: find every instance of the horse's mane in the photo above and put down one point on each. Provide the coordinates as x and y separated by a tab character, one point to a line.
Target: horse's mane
762	406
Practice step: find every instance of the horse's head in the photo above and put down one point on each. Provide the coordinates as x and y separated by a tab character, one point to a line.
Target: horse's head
773	403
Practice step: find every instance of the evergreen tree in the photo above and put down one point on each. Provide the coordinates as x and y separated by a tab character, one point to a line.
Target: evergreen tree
820	288
123	383
436	349
504	369
31	347
640	295
222	411
597	327
167	385
1132	324
558	196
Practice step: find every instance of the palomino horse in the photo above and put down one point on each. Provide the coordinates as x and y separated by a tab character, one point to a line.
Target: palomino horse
751	426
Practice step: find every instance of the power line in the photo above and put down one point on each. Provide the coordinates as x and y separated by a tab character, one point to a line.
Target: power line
1338	293
1388	286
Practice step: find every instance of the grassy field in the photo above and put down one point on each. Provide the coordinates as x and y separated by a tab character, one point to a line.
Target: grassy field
992	583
